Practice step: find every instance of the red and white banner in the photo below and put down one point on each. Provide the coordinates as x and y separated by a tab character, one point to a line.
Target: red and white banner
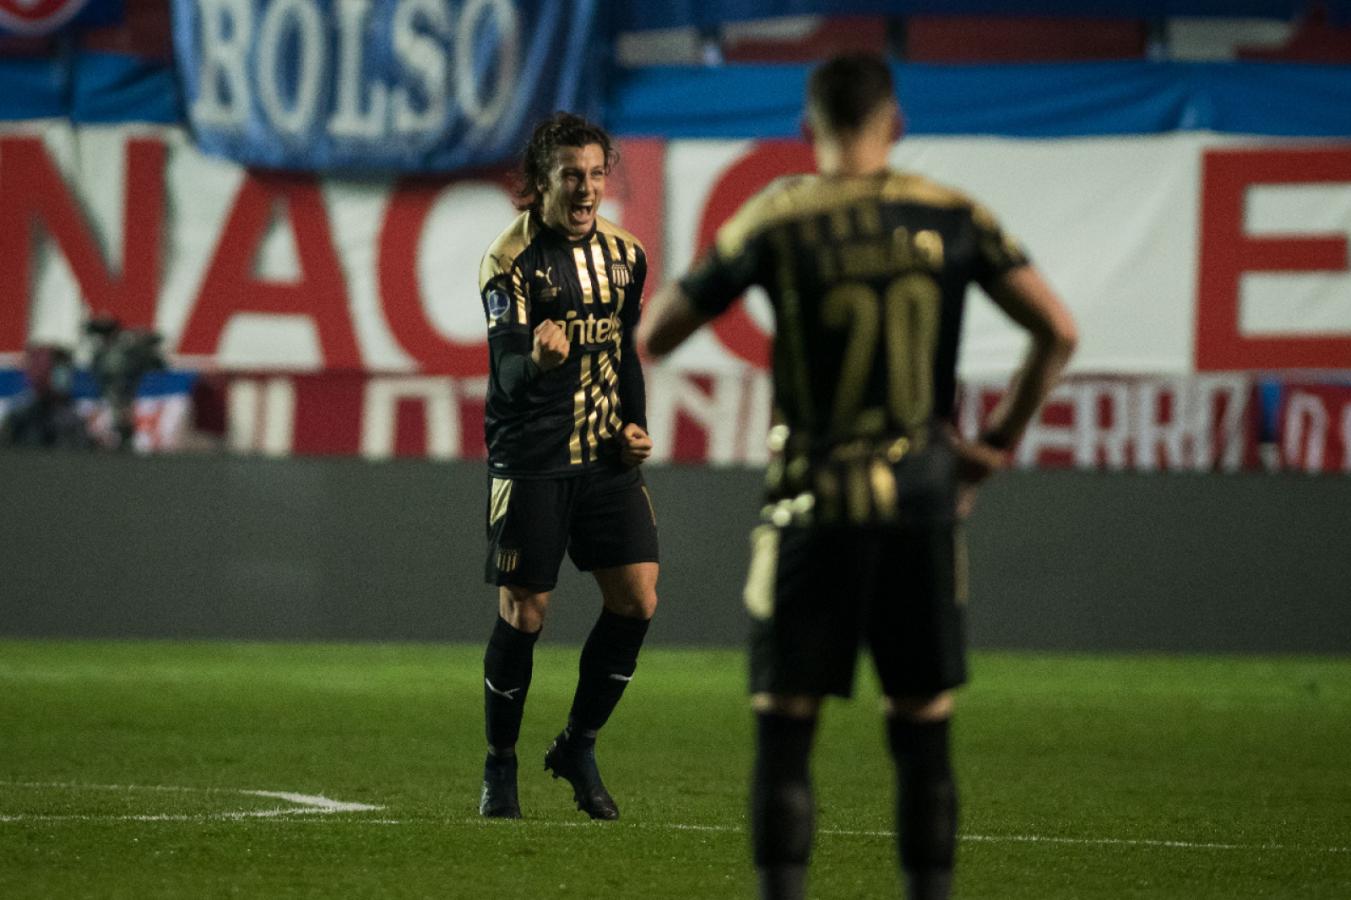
1314	424
1177	254
1184	258
1205	423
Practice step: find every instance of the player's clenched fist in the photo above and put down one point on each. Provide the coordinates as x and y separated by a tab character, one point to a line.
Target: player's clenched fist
551	345
634	445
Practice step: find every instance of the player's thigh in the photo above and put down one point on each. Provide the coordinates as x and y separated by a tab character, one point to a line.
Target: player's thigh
803	593
614	522
916	622
528	521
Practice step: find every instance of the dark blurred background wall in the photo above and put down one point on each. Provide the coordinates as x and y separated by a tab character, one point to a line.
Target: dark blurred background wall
344	549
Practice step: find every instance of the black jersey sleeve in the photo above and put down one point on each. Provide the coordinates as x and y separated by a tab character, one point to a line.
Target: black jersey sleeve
737	258
720	278
997	252
632	388
512	364
509	338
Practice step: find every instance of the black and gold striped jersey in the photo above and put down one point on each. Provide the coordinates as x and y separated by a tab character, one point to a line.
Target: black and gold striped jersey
867	276
564	420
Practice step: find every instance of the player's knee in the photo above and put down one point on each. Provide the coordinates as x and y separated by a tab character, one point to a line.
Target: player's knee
930	708
522	608
643	604
629	591
794	706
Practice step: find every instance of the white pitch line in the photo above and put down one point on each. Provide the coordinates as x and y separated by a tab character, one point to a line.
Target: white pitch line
204	816
306	804
309	805
319	803
844	832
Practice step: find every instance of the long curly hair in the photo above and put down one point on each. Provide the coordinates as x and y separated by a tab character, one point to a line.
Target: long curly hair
562	129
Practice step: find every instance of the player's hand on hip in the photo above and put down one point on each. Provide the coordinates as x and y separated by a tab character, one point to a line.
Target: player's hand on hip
551	345
976	461
634	445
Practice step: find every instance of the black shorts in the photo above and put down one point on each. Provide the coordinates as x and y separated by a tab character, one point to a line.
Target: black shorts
818	594
602	518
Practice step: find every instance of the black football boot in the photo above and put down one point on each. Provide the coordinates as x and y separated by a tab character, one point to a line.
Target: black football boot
498	800
576	762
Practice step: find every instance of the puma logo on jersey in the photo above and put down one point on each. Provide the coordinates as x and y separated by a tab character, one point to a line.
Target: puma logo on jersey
548	290
617	677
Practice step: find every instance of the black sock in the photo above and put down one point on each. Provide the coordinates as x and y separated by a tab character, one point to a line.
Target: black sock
608	661
782	809
926	805
507	665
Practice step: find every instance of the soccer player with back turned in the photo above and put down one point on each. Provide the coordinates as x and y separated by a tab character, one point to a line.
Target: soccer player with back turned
566	431
866	268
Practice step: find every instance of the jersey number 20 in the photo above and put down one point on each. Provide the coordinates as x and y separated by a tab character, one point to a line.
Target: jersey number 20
905	315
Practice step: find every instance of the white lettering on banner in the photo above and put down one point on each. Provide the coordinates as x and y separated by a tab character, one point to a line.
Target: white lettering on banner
350	120
716	411
477	14
1100	423
223	81
298	20
422	56
1306	431
435	51
1187	440
1120	424
262	415
379	415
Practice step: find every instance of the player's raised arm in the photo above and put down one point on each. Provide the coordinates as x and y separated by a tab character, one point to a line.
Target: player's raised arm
1025	296
670	318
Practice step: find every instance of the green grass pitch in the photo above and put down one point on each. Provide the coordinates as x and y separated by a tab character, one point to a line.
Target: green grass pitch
158	769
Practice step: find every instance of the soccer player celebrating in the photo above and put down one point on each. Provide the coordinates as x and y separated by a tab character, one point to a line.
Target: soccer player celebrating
566	431
866	268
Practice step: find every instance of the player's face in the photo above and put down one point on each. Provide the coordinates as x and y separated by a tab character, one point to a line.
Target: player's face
572	196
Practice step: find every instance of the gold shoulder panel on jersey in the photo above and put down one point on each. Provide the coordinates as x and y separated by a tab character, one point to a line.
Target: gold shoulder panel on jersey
804	196
606	227
907	187
771	205
503	252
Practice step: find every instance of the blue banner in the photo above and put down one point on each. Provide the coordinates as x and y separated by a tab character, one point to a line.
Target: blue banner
1034	100
382	85
765	101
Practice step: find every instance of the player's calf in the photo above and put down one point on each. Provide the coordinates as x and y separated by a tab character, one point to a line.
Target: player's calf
782	807
926	805
508	665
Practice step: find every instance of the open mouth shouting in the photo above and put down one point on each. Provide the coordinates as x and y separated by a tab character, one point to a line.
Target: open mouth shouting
580	215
